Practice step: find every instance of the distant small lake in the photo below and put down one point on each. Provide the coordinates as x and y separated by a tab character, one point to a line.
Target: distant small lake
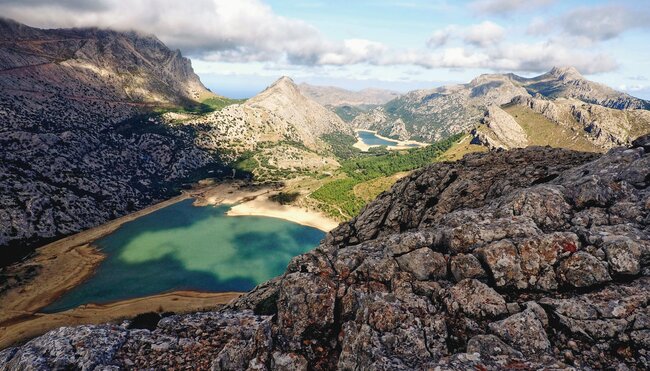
371	139
184	247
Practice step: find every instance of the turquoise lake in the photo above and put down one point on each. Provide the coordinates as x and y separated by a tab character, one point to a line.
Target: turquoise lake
184	247
369	138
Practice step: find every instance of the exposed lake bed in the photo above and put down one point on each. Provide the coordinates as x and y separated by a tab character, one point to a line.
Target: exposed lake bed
68	268
367	139
187	247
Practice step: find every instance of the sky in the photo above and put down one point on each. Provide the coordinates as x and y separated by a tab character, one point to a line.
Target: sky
240	47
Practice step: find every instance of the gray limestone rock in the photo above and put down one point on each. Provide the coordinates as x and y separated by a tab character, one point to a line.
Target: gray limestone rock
550	291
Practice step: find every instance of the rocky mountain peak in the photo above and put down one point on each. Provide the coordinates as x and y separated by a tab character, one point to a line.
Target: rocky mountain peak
282	88
565	73
284	83
489	77
284	80
285	101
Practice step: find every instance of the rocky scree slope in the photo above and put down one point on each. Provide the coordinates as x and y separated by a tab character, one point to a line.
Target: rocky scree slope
75	150
280	125
594	125
524	259
434	114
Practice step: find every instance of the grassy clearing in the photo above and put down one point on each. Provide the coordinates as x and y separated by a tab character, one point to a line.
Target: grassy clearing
211	104
461	148
542	132
368	191
344	198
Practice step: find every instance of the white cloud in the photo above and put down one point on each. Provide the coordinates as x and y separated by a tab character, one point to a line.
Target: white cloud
484	34
544	55
507	6
525	57
440	38
596	23
249	31
243	30
354	51
633	87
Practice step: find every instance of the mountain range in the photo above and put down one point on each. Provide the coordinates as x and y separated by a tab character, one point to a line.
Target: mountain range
98	123
84	140
591	111
525	258
331	96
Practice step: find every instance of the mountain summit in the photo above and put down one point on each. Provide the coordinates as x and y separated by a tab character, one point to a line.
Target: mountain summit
565	73
284	99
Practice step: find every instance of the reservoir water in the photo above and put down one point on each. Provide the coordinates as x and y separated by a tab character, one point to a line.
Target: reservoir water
371	139
184	247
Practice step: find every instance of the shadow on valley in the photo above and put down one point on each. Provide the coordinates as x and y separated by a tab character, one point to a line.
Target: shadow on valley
183	247
274	248
128	281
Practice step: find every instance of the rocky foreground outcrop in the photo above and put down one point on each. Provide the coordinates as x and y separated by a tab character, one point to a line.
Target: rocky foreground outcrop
526	259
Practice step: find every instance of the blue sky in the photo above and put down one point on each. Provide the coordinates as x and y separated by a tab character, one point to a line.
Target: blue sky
240	47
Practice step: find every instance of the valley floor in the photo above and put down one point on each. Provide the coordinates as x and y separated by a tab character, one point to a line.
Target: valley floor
59	272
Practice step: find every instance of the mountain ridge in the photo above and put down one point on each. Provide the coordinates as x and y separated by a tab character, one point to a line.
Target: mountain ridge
432	114
335	96
86	52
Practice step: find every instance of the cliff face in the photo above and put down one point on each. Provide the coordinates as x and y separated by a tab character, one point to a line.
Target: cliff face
95	64
525	259
76	151
598	126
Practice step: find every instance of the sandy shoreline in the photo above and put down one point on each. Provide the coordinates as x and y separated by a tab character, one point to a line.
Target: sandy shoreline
262	206
178	302
66	263
401	144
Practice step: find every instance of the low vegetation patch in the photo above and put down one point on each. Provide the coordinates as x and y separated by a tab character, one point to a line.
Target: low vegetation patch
208	105
339	195
342	145
285	198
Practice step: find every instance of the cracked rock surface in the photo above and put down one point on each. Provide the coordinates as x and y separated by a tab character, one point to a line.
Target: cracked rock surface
526	259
